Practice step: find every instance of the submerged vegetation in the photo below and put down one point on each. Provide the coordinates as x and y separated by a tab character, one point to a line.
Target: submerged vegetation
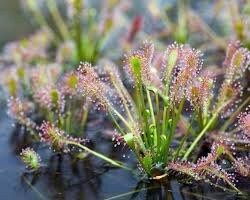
180	118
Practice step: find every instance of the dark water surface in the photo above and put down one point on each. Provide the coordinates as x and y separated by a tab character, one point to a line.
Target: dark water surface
13	25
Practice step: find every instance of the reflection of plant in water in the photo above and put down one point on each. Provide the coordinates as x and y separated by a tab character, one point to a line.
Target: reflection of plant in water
87	177
148	120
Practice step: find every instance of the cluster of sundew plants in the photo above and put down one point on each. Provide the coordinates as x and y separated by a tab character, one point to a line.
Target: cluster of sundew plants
43	97
85	28
148	120
41	87
38	88
45	79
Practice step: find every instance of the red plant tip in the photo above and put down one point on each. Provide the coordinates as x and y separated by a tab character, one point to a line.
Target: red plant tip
204	169
118	140
172	55
136	26
170	64
143	55
244	122
30	158
183	168
91	87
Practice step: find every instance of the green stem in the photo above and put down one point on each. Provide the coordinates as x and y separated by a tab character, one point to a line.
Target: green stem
31	185
164	120
84	117
184	139
101	156
131	193
173	127
157	102
200	117
152	117
51	116
59	22
121	118
116	124
68	122
202	133
125	102
68	119
198	138
181	33
78	28
158	113
40	19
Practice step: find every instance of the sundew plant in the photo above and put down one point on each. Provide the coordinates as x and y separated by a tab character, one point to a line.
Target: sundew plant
166	93
44	100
